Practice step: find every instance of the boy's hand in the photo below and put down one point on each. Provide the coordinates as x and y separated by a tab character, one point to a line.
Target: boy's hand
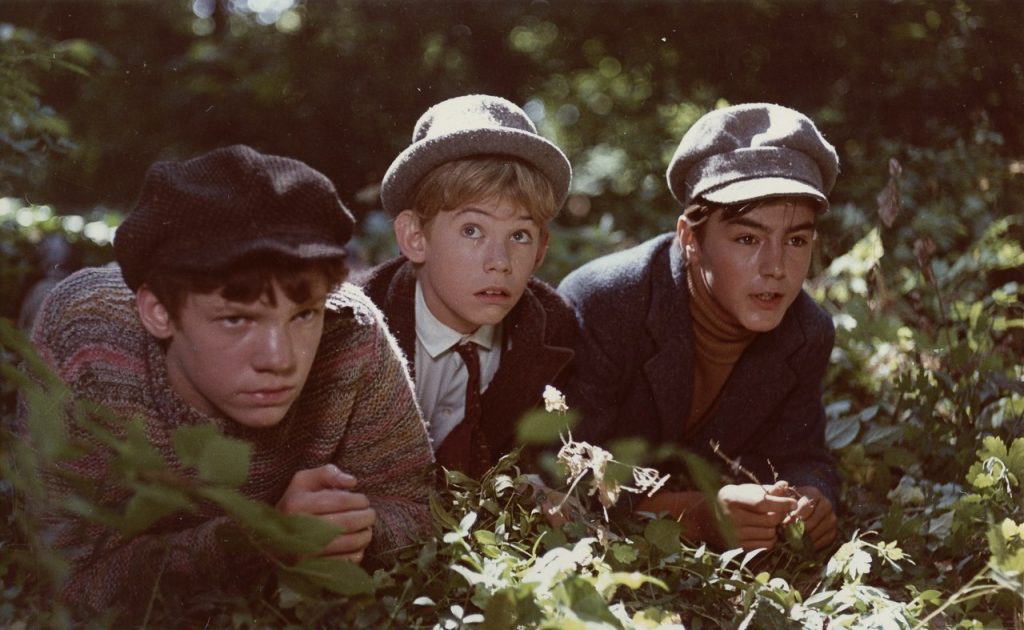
325	492
756	511
815	510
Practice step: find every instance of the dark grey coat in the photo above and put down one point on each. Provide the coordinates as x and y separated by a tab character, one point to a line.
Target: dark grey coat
634	370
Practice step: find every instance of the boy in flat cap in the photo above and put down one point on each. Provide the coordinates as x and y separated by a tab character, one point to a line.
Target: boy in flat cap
704	336
472	197
229	309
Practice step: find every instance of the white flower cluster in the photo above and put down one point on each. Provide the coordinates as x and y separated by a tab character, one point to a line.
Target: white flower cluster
554	400
580	458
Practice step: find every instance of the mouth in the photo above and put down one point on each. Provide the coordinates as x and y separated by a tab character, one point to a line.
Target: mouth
270	396
767	299
493	294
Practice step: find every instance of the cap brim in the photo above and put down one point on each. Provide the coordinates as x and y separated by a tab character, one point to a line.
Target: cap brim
300	249
760	188
422	157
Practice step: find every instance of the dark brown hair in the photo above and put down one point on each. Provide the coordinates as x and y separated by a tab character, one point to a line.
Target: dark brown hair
700	210
245	280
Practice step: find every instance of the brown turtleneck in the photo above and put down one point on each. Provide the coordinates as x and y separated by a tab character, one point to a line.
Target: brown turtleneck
721	339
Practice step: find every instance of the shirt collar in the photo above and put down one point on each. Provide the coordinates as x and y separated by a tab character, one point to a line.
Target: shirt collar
438	338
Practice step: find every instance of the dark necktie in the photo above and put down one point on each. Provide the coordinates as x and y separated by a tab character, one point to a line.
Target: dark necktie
465	448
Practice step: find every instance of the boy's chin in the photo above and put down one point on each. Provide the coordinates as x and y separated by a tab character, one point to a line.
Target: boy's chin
259	418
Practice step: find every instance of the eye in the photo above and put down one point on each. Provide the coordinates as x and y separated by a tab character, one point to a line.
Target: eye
471	231
308	315
799	241
746	239
233	321
522	236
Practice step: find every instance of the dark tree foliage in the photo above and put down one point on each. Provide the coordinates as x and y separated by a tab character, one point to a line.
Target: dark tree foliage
342	86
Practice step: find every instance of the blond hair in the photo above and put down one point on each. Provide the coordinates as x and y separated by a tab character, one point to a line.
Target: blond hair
483	178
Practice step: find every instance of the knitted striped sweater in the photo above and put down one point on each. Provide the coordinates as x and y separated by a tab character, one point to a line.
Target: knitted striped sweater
357	410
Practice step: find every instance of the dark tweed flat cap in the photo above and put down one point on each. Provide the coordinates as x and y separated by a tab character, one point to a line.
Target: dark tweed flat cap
746	152
465	126
209	211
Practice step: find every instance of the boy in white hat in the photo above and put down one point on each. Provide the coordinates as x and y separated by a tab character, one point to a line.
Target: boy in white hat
704	337
472	197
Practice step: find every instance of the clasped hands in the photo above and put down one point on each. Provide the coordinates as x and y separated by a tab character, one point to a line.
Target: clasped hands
757	511
327	493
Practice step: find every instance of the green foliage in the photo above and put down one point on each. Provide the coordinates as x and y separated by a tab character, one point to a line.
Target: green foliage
30	130
921	266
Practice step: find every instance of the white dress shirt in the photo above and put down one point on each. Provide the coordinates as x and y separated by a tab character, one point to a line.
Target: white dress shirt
441	375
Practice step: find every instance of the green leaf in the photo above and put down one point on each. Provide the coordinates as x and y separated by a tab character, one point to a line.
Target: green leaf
149	504
663	534
544	427
608	581
587	603
337	576
485	537
625	554
290	534
217	458
841	432
500	612
1015	458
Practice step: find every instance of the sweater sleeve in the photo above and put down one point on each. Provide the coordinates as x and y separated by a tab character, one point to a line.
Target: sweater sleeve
386	446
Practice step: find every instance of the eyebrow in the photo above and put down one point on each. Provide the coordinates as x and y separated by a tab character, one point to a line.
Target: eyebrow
754	225
476	210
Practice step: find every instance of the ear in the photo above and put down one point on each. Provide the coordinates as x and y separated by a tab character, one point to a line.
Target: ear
411	237
687	241
153	314
542	250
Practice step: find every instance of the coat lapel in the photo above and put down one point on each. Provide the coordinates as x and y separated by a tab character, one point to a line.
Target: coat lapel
669	371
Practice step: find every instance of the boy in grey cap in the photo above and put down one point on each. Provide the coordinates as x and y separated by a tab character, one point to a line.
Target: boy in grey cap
704	338
229	309
472	197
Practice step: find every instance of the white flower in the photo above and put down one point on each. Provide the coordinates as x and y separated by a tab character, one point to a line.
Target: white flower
554	400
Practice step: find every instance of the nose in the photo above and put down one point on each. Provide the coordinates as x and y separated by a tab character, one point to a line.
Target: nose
773	261
274	351
496	257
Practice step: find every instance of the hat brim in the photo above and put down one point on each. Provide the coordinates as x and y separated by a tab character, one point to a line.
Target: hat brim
764	187
422	157
289	247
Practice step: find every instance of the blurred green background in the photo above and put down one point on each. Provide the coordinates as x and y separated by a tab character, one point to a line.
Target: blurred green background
92	92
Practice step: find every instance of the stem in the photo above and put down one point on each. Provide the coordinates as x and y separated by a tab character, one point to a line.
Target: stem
156	587
961	595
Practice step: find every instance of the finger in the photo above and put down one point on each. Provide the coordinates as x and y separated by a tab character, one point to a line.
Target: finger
321	477
806	511
354	542
823	537
355	556
750	539
758	520
773	503
352	521
823	532
763	505
322	502
779	488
